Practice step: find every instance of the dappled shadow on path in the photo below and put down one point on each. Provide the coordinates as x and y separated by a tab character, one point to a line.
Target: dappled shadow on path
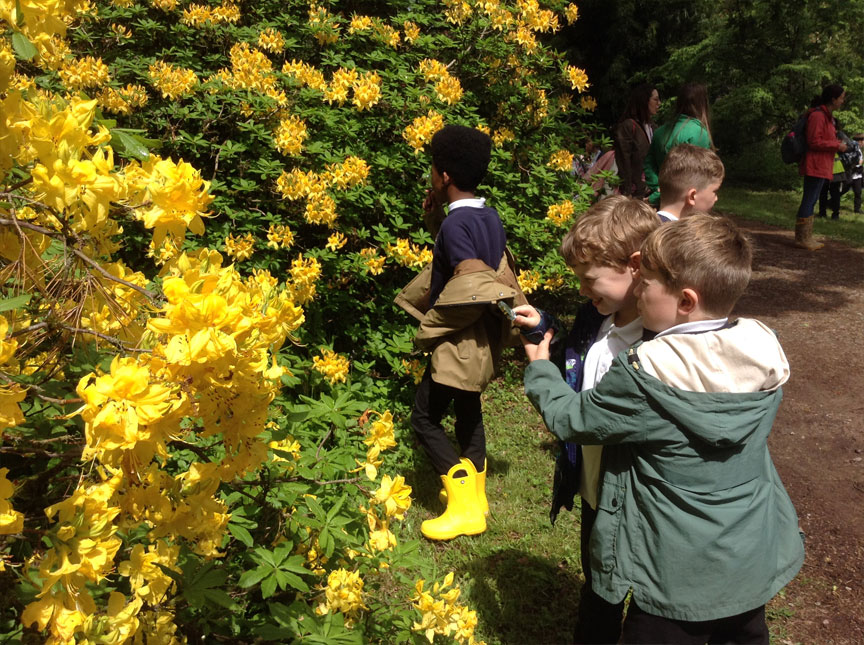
518	595
789	279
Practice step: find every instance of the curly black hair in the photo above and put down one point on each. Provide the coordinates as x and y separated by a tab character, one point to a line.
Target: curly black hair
463	153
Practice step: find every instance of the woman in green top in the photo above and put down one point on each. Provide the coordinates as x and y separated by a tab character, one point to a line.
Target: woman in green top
690	124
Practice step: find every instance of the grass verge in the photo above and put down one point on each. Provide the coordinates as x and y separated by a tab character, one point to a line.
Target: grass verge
778	208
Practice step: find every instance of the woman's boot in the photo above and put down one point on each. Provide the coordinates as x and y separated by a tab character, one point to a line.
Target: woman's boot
463	515
804	234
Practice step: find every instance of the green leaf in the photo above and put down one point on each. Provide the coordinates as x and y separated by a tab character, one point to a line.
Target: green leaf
24	49
241	534
14	303
129	144
283	578
268	586
253	577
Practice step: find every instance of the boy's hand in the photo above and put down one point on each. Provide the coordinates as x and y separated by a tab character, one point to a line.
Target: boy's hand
539	352
526	316
433	213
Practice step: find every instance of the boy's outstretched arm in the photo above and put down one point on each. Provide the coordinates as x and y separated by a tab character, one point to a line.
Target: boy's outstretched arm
606	414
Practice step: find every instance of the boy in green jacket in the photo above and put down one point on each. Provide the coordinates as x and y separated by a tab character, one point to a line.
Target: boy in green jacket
692	515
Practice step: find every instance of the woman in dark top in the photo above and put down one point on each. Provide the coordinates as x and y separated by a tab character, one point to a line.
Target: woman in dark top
633	134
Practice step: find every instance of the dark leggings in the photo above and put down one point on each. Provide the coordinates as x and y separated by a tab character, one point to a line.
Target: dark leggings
431	403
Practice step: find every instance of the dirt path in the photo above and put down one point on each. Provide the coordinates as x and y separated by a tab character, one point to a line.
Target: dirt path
815	301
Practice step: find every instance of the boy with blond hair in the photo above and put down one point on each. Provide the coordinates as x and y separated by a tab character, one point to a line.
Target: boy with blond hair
601	248
692	516
689	180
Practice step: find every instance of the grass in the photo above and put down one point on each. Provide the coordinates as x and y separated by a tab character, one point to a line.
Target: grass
778	208
522	575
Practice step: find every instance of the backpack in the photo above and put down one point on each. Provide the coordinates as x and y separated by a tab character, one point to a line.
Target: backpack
794	144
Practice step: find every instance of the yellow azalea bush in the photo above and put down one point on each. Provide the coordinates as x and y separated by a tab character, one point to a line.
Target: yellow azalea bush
207	211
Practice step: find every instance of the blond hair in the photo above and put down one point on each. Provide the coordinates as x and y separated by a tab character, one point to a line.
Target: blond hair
706	253
609	232
687	166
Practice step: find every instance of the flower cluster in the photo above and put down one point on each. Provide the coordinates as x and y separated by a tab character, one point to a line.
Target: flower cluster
420	132
447	87
373	262
11	521
379	437
198	15
334	367
280	236
408	254
84	72
344	593
251	70
240	248
560	214
441	613
324	25
290	134
529	281
577	77
271	40
367	91
588	103
124	100
560	160
571	13
171	81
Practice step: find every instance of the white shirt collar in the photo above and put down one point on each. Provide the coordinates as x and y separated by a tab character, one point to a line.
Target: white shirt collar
668	215
629	333
693	327
476	202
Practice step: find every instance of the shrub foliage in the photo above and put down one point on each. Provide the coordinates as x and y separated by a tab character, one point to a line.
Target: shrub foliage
207	210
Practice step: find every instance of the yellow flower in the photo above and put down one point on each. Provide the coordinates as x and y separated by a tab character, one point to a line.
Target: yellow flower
172	81
560	214
321	209
420	132
577	77
120	31
336	241
240	248
394	495
367	91
279	236
271	40
560	160
84	72
334	367
449	90
147	579
502	136
11	521
529	281
414	368
359	23
588	103
344	593
373	262
411	30
174	197
290	135
571	13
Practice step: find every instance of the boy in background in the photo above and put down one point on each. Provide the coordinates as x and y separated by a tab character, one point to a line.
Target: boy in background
689	180
601	249
455	299
692	515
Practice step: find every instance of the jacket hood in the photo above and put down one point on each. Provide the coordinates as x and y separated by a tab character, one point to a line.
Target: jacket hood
721	386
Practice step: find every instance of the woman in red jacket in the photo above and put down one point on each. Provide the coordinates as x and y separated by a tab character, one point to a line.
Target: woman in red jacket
818	163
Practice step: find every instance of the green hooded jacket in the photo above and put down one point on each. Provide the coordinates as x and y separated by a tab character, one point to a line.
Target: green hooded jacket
692	514
685	129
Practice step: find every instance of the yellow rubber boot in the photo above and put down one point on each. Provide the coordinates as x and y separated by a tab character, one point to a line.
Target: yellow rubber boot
481	491
463	515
